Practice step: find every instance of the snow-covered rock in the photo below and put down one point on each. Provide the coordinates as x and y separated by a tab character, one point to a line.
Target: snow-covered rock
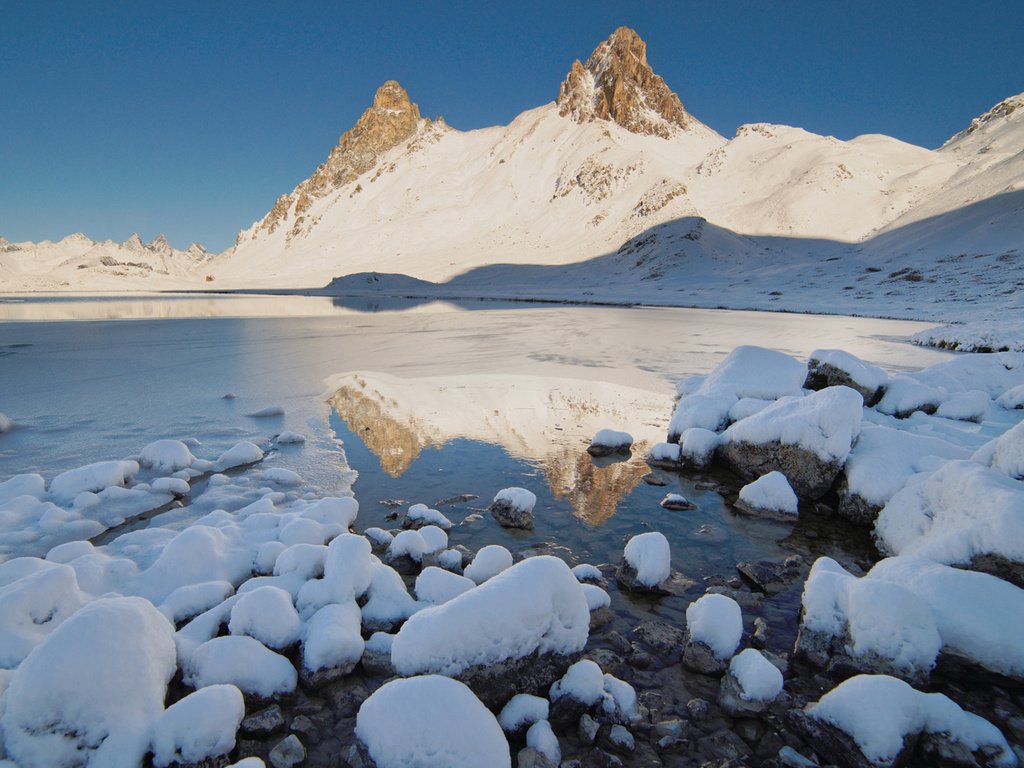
489	561
267	614
541	738
513	508
874	720
166	456
419	515
677	502
965	406
714	627
510	634
430	720
697	447
665	455
646	562
865	624
750	684
436	585
388	602
962	514
243	662
198	727
331	642
522	711
33	606
906	394
607	442
93	689
92	478
1005	453
835	367
238	455
808	439
769	496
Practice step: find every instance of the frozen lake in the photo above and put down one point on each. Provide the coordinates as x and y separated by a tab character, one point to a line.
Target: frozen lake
424	404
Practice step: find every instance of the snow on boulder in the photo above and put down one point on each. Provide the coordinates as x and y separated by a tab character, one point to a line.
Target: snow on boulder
665	455
93	478
430	721
646	562
290	438
677	502
750	371
267	614
834	367
436	585
541	738
29	484
907	394
587	572
388	602
874	720
193	599
91	692
238	455
517	632
962	514
750	685
243	662
200	726
806	438
522	711
608	442
435	538
338	511
32	607
880	464
583	682
865	624
166	456
348	567
1012	399
1005	453
419	515
331	644
980	618
714	627
708	412
769	496
965	406
406	551
697	447
513	508
281	476
489	561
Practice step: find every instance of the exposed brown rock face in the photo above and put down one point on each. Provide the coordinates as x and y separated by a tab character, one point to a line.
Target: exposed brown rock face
618	84
391	120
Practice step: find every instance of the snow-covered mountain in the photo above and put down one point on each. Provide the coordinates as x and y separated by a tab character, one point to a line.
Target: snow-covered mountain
615	192
79	263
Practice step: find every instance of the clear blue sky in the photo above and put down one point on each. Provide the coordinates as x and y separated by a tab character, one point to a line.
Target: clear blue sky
190	118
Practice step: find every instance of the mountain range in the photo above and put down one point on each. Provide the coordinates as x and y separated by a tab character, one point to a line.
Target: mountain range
614	192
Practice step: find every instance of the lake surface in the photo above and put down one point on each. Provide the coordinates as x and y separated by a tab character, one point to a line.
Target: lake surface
424	404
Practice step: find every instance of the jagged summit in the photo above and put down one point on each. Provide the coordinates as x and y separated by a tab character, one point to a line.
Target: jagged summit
618	84
392	119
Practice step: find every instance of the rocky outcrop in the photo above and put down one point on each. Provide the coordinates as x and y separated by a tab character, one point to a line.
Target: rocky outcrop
809	475
618	84
391	120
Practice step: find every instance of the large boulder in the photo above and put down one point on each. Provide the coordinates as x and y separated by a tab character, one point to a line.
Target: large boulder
836	368
808	439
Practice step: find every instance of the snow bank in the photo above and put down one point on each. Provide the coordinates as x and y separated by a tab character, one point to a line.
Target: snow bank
717	622
965	406
879	712
649	555
960	512
29	484
758	678
884	458
93	689
906	394
428	721
534	606
202	725
770	493
1005	453
824	423
973	337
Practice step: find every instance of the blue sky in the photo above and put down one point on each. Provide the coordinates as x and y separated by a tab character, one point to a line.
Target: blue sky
190	118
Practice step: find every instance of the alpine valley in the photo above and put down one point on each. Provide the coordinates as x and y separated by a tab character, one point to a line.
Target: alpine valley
614	193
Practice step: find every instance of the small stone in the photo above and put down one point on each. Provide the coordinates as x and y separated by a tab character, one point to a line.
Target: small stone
529	757
264	722
303	726
760	637
620	740
698	709
723	744
668	732
677	502
588	729
288	753
652	479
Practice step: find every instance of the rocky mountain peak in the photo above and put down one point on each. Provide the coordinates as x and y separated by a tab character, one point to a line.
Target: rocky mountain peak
618	84
159	244
392	119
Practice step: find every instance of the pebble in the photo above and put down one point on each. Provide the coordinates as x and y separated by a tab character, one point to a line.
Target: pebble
288	753
264	722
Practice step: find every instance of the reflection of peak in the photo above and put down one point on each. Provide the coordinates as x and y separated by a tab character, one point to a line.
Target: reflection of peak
545	421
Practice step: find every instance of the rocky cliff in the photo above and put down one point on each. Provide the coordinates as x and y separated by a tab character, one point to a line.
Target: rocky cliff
618	84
